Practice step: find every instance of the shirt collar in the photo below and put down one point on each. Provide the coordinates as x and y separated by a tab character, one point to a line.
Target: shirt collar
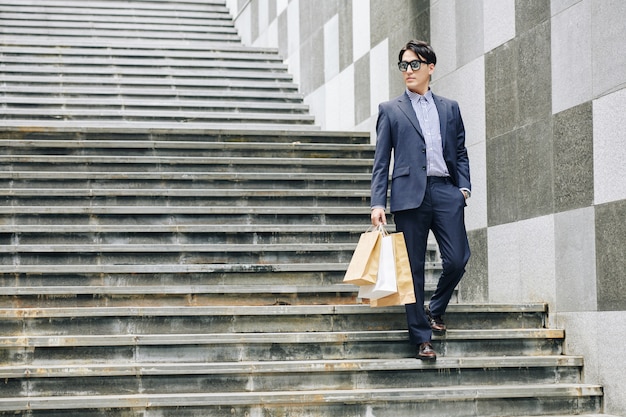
415	96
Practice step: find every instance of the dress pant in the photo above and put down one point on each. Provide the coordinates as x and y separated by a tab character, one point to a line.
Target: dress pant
442	211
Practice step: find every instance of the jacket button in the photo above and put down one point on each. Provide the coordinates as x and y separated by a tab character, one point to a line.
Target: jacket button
423	168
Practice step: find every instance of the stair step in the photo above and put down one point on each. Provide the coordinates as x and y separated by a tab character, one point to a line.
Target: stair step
133	115
486	400
37	23
519	310
276	367
57	295
83	344
160	253
92	162
137	33
181	192
26	48
84	74
113	82
145	318
34	124
87	137
24	56
176	178
173	108
185	209
150	378
148	46
118	8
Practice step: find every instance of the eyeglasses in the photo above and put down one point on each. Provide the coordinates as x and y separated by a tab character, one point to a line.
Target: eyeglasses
415	65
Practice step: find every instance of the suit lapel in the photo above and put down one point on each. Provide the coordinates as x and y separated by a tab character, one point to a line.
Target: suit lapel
405	106
442	109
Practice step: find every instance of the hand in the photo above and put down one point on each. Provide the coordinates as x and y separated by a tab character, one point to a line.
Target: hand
378	217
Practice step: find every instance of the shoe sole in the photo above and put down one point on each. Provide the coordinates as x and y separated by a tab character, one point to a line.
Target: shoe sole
427	358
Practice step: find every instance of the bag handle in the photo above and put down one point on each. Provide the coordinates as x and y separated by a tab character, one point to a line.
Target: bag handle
380	228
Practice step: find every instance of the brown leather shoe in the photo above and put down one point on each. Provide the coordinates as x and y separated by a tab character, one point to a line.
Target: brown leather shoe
426	352
436	322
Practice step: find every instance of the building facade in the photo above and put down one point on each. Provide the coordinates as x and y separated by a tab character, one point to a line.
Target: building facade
542	89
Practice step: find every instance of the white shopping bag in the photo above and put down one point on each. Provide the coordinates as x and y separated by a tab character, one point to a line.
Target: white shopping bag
386	282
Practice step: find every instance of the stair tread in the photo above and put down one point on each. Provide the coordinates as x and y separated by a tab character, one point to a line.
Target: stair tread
304	397
111	6
337	365
183	192
139	33
173	74
120	61
224	160
175	289
185	228
240	105
236	310
188	46
36	22
176	247
155	144
171	268
143	125
50	50
272	338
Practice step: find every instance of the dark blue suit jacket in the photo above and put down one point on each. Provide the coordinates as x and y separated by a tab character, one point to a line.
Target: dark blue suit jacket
398	129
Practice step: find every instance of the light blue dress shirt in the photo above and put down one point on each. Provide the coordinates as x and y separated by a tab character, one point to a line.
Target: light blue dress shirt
428	117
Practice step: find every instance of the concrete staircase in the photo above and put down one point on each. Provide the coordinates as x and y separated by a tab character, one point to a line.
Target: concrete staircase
139	63
169	268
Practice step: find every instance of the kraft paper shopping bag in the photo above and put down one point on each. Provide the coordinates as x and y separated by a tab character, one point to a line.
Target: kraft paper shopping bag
386	281
404	278
363	267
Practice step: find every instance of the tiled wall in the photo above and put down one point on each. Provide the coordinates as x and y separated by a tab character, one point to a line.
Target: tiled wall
542	89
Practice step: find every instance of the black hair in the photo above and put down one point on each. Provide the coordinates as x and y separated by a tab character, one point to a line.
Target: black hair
421	49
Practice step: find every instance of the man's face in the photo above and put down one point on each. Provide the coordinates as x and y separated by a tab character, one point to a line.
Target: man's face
417	80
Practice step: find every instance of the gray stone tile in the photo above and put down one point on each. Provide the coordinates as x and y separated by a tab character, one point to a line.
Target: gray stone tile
469	31
272	10
609	59
313	16
557	6
534	194
502	179
573	158
474	286
312	62
520	174
572	75
610	259
501	96
575	254
283	34
362	89
399	21
345	35
530	13
534	75
254	20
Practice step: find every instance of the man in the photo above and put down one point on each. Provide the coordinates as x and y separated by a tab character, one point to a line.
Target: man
430	182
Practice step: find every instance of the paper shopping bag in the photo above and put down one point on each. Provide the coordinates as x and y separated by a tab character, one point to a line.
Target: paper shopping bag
404	278
386	281
363	267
